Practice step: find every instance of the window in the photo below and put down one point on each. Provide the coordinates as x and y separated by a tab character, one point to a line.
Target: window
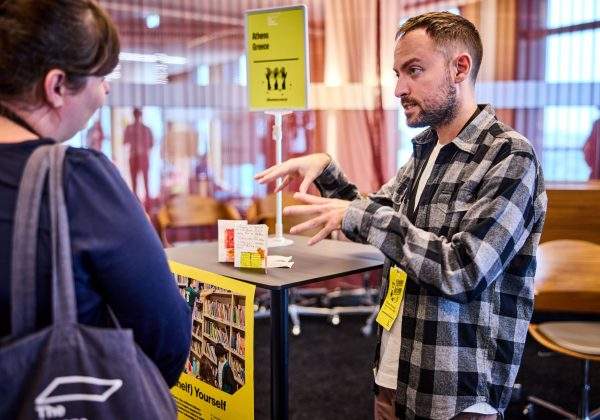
242	70
572	57
563	13
565	130
202	75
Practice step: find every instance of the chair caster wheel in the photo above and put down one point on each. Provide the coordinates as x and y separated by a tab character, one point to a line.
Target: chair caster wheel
296	330
529	411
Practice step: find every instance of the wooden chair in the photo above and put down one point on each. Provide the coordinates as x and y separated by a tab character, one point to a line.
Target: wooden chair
568	280
191	211
568	205
264	210
568	277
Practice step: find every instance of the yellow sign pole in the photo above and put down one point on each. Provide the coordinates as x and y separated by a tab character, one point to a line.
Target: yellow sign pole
277	66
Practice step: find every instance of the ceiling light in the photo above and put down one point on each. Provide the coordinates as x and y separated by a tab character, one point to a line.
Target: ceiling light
152	21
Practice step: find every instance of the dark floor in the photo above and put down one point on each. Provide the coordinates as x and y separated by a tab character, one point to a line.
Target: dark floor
330	376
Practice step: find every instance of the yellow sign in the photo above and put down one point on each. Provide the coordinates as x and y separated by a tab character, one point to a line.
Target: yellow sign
391	305
277	58
218	380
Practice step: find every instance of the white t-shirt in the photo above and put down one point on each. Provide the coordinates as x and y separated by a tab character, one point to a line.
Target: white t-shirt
220	374
389	355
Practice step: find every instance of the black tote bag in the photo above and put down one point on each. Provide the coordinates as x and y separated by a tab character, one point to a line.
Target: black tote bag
66	370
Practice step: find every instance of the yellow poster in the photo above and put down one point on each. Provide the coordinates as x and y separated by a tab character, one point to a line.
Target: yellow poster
277	58
218	380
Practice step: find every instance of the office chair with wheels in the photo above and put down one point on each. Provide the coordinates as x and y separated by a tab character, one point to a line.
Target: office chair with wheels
329	298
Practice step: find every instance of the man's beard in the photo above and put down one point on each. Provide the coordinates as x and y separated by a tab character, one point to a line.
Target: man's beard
433	112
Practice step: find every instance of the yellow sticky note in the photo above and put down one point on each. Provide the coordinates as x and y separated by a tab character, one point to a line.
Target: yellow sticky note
395	293
257	260
251	260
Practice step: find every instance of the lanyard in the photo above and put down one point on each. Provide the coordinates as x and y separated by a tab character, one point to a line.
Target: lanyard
9	114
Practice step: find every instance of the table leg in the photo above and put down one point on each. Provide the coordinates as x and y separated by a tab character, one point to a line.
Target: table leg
279	354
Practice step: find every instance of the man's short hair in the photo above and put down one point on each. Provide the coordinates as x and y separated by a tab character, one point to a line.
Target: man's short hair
447	29
220	350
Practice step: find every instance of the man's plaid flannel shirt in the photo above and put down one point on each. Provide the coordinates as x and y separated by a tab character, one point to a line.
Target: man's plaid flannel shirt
469	252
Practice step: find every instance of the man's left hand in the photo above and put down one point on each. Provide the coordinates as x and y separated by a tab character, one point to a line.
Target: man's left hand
326	213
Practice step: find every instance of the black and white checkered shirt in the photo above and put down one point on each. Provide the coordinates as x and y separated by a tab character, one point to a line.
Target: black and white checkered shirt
469	252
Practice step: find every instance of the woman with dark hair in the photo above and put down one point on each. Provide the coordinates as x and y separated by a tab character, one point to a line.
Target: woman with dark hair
55	55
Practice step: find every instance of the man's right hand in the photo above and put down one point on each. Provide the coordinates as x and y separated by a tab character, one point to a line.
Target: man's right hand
306	167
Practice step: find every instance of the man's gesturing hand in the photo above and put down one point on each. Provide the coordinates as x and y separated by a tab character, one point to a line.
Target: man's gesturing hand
306	167
326	213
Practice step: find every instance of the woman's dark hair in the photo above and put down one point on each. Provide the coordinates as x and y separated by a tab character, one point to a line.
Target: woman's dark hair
36	36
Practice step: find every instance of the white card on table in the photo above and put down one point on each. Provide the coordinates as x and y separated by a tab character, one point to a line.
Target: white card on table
250	246
226	238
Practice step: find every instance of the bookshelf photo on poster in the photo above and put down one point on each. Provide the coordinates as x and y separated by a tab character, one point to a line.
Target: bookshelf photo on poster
218	375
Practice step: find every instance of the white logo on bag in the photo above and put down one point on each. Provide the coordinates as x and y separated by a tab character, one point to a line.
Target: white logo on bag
43	401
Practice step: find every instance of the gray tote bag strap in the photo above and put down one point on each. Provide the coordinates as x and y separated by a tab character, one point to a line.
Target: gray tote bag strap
24	242
64	309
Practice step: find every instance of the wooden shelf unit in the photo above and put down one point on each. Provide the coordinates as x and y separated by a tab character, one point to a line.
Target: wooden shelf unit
221	309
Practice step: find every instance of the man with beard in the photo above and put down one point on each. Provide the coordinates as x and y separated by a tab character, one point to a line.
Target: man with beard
459	226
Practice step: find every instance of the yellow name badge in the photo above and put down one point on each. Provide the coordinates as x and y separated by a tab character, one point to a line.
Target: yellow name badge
391	305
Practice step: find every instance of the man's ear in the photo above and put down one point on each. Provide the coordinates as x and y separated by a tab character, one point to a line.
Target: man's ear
462	67
54	88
